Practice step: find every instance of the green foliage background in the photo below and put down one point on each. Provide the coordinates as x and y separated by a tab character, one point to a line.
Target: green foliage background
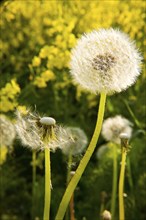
36	39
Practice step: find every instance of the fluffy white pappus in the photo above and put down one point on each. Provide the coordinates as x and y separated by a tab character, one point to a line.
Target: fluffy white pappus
114	126
106	215
34	131
7	131
105	61
72	140
28	131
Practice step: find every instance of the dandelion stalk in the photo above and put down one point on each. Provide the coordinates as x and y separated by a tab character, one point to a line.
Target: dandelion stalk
47	185
35	131
124	148
74	181
121	187
114	185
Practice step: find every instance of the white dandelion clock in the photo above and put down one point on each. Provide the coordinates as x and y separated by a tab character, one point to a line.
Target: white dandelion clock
105	61
106	215
7	131
73	139
113	127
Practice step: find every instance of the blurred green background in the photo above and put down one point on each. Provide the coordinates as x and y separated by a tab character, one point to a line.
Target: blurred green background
36	40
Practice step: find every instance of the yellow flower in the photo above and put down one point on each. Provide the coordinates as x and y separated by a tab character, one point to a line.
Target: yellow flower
8	96
22	108
48	75
44	52
36	61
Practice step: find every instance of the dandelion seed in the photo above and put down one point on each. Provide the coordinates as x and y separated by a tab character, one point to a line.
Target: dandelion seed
105	61
114	126
7	131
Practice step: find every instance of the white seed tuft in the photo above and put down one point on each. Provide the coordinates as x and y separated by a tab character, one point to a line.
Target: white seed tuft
106	215
114	126
7	131
105	61
76	141
33	131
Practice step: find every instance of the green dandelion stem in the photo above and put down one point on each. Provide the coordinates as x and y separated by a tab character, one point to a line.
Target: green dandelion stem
121	186
74	181
47	185
114	185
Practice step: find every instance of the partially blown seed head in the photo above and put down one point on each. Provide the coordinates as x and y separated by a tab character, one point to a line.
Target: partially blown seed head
105	61
34	131
114	126
7	131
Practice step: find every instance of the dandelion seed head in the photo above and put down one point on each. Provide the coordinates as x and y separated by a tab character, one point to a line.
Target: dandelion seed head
34	131
105	61
74	141
106	215
114	126
7	131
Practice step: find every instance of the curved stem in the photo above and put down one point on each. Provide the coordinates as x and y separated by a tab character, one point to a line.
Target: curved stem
114	185
121	186
47	185
74	181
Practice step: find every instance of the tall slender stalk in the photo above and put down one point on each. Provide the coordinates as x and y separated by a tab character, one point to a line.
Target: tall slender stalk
121	186
114	184
125	148
74	181
47	185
